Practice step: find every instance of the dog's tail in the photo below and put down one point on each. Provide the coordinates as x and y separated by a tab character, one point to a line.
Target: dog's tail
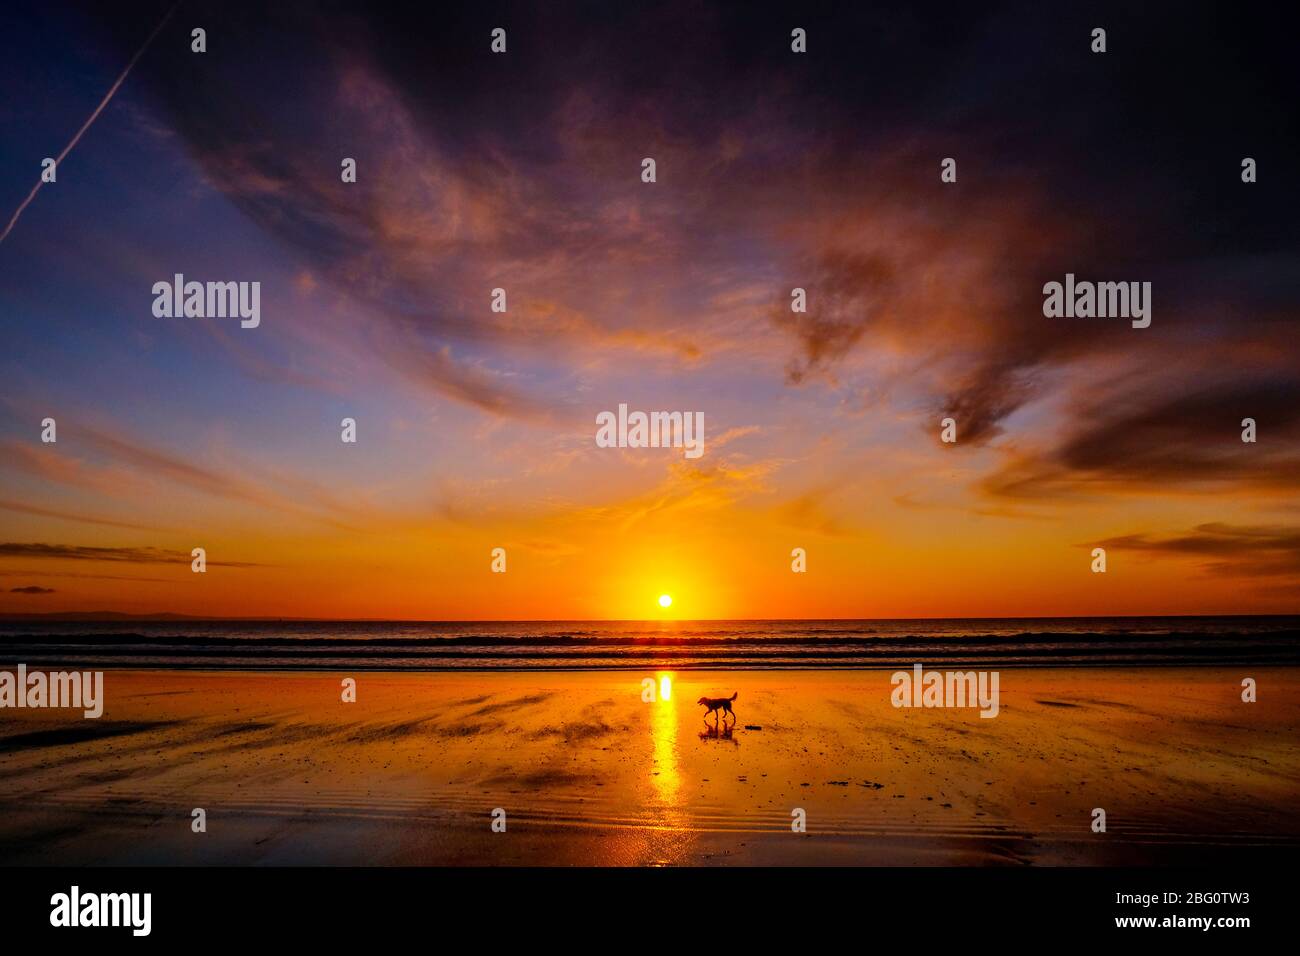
735	695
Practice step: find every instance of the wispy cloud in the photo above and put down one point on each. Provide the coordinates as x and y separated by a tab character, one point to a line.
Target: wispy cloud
22	508
128	555
116	464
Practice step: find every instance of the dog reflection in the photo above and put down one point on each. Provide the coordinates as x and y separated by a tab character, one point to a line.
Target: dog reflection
714	732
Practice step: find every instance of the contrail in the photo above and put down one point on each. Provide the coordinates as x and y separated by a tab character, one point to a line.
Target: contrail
86	125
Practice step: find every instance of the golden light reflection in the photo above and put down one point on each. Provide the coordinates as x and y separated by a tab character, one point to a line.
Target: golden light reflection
663	731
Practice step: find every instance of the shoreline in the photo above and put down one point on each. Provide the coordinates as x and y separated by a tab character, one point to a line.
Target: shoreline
627	647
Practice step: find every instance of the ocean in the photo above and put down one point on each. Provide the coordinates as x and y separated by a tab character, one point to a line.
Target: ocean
658	645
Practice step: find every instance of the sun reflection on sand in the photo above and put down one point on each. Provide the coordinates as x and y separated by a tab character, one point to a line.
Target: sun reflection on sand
663	731
671	832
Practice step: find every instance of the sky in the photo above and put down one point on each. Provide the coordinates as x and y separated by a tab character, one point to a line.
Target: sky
523	171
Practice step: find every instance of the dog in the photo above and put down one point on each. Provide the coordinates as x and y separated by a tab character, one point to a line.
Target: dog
715	705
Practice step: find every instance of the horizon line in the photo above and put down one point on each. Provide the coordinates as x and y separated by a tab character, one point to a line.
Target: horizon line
101	615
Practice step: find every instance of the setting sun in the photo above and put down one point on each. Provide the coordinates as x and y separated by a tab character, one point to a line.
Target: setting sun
665	600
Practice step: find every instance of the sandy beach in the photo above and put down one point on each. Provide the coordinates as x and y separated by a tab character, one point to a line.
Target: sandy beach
589	773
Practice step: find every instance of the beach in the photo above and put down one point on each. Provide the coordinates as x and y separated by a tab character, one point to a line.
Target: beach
587	772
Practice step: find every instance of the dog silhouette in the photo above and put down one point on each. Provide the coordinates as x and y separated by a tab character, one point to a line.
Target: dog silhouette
715	705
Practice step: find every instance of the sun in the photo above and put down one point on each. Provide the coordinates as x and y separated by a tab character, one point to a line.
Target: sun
665	600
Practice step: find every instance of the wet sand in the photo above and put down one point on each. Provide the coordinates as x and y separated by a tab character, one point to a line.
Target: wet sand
588	773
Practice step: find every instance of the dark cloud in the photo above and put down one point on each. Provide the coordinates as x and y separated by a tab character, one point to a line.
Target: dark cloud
31	589
1234	550
850	290
1185	432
